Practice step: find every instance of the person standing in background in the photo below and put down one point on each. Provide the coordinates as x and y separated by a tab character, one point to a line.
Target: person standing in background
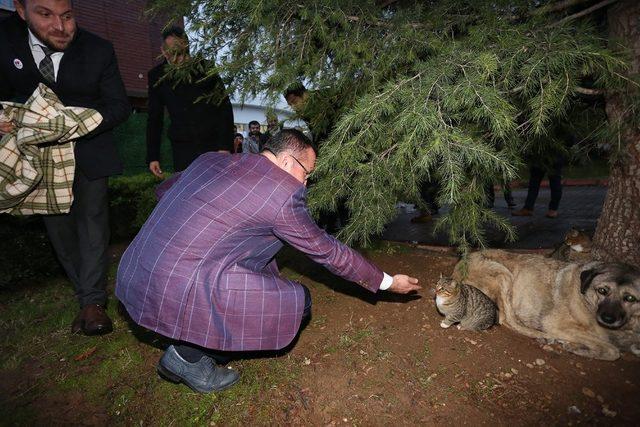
255	139
197	125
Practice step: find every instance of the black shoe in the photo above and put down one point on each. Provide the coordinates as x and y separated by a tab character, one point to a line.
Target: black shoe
203	376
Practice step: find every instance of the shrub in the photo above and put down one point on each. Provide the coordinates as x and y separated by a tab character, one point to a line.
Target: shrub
27	254
131	200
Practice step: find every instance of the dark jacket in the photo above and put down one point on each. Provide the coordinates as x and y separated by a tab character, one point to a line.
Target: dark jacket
208	124
88	77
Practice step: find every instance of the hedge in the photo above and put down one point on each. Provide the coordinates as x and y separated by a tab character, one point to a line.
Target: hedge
27	255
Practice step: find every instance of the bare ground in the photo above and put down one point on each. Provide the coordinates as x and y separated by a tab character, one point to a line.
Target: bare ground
363	360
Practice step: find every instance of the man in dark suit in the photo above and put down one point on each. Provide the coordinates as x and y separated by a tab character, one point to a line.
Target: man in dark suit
42	44
197	126
202	269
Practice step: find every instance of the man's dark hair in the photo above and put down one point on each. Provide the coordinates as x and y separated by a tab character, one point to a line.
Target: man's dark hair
254	122
296	89
238	135
288	140
24	2
174	31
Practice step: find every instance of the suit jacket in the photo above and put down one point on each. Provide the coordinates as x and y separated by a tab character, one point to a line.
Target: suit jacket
202	267
88	77
208	124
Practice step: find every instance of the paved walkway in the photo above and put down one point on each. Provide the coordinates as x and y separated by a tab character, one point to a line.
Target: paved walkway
580	207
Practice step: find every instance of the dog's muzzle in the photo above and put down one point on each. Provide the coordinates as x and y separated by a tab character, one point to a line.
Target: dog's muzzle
611	316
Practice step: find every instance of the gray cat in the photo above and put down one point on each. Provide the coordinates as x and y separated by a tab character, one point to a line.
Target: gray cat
464	304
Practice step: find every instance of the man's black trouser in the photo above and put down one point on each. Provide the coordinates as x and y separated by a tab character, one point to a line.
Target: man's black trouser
81	238
536	173
185	152
192	353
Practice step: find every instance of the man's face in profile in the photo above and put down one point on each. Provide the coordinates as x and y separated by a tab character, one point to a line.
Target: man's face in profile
175	50
51	21
296	102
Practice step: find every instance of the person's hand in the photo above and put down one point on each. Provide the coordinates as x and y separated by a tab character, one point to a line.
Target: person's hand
403	284
154	167
6	127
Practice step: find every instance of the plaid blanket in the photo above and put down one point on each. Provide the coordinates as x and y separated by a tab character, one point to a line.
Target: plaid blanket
37	164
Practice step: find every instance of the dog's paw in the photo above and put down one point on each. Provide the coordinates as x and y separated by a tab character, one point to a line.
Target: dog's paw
444	324
459	327
635	349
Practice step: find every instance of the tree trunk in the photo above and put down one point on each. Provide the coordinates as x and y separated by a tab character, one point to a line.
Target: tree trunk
617	236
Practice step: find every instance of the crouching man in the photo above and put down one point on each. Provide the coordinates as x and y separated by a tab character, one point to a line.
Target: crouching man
202	271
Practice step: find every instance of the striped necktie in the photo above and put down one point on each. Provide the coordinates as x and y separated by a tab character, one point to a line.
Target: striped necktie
46	65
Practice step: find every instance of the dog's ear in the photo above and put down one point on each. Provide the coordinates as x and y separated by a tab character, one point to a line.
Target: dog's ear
586	277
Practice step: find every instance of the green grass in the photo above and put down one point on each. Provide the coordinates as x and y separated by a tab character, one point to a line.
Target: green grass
598	168
114	375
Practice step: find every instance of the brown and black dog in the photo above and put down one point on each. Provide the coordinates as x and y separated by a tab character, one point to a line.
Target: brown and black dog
593	309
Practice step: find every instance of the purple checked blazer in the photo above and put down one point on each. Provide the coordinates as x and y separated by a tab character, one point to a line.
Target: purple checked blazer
202	267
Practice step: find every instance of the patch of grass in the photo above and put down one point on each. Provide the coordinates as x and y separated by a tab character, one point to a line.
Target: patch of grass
115	374
354	336
383	354
319	321
386	248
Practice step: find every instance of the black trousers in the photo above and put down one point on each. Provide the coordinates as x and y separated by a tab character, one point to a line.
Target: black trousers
429	193
185	152
81	237
536	173
491	195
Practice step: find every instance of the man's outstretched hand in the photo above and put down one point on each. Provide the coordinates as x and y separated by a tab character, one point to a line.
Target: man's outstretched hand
403	284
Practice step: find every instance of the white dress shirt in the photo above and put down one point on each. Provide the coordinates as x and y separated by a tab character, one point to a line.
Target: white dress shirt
38	54
386	282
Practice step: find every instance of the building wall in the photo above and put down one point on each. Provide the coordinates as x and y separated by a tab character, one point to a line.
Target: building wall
136	40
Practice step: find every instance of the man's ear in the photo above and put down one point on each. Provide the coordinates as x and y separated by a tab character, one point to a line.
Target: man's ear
20	9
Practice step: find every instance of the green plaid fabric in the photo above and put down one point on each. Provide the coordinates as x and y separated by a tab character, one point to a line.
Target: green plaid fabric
37	164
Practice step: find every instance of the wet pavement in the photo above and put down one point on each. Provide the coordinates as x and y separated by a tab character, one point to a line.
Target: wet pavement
580	208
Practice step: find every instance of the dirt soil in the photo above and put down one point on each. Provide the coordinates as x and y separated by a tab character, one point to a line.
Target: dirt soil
383	359
395	365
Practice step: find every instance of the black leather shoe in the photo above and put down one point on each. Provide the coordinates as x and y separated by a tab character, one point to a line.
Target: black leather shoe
92	320
203	376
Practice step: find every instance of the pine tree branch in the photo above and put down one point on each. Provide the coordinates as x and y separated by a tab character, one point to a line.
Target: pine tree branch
385	3
557	7
583	12
588	91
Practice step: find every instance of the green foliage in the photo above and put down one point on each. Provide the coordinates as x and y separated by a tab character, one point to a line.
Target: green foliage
130	139
461	91
131	200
